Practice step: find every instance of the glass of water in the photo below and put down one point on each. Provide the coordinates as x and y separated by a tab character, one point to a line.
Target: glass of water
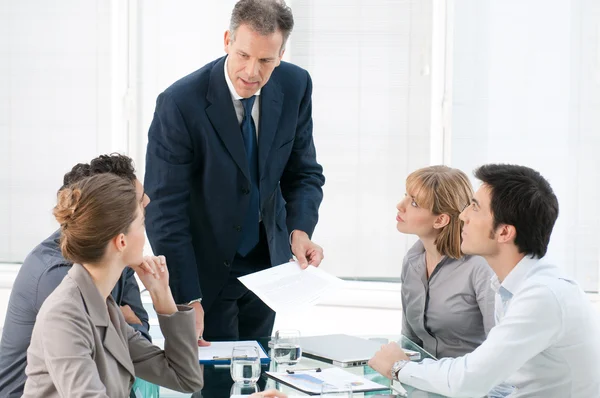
243	389
245	364
286	347
343	390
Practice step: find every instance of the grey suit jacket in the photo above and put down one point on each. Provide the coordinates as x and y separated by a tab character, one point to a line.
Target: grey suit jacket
82	346
41	272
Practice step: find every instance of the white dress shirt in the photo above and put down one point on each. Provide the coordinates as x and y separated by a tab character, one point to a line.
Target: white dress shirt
237	103
546	342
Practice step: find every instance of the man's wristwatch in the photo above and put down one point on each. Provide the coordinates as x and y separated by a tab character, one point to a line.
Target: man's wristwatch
397	366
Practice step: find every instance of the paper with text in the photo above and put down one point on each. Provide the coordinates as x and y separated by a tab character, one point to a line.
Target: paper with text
311	381
287	287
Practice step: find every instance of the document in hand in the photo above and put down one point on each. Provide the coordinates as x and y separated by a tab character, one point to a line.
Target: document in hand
310	381
287	287
219	352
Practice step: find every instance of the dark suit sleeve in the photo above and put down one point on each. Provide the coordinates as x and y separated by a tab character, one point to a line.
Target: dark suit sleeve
132	298
302	177
169	167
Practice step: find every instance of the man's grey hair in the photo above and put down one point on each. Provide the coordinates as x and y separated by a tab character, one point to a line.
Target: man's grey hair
264	17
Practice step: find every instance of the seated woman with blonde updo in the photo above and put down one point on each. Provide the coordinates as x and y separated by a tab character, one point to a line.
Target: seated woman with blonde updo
81	344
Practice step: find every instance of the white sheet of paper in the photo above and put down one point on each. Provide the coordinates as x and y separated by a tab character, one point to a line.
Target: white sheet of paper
287	287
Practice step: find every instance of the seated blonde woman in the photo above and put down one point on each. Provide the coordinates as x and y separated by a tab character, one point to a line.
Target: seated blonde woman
447	301
81	344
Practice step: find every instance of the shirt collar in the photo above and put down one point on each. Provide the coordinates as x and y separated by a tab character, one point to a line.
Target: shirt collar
234	93
513	280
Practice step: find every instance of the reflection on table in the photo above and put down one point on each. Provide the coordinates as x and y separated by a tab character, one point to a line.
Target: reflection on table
218	382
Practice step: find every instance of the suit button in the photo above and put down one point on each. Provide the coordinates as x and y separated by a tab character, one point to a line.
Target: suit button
238	228
226	263
245	191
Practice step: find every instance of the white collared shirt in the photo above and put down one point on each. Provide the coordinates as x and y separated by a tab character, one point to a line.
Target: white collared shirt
237	103
546	343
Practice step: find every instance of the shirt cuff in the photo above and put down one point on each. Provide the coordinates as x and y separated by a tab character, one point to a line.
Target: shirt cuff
404	375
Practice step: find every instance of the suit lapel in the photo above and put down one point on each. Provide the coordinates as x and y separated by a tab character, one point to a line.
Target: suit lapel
271	102
114	342
98	309
222	116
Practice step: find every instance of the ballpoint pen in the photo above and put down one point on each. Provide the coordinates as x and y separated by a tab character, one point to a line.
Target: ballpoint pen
291	372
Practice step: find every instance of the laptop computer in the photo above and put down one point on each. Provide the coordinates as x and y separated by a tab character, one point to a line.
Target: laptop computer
343	350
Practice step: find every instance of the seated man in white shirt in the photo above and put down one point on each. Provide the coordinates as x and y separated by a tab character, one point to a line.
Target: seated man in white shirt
546	341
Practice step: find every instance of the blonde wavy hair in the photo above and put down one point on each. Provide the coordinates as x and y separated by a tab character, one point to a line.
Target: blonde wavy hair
442	190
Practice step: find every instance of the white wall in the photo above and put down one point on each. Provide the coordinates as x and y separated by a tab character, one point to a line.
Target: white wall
80	78
370	61
525	88
55	108
174	40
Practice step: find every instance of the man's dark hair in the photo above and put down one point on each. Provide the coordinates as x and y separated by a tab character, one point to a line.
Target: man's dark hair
114	163
521	197
263	16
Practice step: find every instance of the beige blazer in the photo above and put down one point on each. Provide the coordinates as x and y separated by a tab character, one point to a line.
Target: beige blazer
82	346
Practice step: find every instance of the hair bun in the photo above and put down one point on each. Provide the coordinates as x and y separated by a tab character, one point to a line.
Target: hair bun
68	199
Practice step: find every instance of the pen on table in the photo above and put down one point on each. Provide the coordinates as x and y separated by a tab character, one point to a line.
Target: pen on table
291	372
217	358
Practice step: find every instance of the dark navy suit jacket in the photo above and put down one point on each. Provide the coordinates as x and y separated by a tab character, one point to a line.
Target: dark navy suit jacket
198	179
42	271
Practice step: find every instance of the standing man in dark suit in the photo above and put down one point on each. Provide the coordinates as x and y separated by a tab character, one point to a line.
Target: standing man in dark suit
231	168
43	270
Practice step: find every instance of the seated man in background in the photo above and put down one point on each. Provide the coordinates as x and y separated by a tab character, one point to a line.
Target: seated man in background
43	270
545	341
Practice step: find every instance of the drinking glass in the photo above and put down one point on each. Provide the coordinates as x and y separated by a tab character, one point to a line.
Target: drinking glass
286	347
243	389
245	364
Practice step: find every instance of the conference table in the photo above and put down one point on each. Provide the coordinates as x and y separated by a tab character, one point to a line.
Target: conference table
218	382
